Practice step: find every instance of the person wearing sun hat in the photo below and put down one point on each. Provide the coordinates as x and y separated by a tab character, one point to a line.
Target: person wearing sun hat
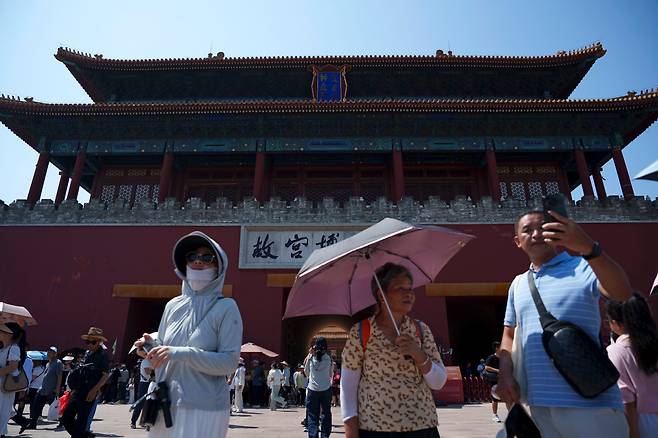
197	344
239	381
76	414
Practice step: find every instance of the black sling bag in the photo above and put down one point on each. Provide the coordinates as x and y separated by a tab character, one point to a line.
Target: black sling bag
578	358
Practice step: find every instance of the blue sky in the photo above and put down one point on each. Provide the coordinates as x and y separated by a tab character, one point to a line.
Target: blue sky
32	30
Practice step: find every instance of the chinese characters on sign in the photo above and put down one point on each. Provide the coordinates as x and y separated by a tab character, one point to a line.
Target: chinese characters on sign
271	248
263	250
329	86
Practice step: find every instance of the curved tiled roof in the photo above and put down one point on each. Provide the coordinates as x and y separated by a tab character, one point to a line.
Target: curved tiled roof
646	99
98	62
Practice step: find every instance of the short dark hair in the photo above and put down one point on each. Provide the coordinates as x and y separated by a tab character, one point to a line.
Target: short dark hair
386	273
520	216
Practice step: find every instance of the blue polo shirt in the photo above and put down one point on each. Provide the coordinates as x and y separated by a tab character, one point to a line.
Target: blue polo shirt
569	290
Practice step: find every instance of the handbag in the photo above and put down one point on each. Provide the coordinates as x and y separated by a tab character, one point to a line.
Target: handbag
518	424
53	410
577	357
15	383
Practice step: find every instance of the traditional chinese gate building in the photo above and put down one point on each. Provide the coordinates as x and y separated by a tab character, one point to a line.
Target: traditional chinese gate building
276	156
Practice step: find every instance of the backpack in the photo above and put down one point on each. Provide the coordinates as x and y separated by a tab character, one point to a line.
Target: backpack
364	332
77	377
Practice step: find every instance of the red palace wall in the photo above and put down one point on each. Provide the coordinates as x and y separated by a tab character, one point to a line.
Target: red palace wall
65	276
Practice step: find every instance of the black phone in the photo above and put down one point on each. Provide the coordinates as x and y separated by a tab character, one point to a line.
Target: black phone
148	346
556	202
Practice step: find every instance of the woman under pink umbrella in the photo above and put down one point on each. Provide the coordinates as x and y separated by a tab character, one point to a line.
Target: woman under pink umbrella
387	378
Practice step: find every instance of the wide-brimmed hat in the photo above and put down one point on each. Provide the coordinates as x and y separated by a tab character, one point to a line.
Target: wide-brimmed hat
94	333
68	358
284	363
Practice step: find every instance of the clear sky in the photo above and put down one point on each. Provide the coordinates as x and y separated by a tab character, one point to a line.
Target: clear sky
32	30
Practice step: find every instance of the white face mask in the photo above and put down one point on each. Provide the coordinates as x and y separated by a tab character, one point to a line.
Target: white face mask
200	278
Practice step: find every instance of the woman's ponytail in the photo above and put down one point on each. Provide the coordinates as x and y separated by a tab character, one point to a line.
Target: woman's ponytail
642	332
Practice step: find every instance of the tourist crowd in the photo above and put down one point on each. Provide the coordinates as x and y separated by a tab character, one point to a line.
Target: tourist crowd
191	379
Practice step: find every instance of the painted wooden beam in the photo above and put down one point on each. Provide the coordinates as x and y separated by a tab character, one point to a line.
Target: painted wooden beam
432	289
467	289
155	290
280	280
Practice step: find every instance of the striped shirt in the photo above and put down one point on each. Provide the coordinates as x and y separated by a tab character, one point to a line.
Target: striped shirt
569	290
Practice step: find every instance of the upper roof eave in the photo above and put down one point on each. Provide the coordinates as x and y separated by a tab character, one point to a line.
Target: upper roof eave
86	60
644	100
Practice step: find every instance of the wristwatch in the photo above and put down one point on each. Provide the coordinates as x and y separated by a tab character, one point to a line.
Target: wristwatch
596	251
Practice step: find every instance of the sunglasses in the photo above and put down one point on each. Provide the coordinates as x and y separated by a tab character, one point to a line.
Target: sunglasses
204	258
89	342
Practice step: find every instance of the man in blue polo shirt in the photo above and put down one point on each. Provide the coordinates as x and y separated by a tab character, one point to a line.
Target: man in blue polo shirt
570	287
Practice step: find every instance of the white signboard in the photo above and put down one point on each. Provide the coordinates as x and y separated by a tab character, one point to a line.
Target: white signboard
285	247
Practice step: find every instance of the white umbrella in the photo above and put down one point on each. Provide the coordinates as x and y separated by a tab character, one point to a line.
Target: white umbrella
650	172
17	314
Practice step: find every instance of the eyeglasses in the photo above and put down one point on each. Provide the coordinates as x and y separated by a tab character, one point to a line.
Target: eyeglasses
204	258
90	342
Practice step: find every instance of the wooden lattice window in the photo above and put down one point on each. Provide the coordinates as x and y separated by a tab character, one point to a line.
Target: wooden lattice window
107	193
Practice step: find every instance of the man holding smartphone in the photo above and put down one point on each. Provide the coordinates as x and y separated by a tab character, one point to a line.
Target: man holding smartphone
570	287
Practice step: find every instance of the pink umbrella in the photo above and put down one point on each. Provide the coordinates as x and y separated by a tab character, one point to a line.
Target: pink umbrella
17	314
336	280
250	347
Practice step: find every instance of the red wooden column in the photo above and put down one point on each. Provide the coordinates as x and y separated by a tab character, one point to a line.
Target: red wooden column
61	188
38	178
598	183
492	172
165	175
398	175
583	172
622	173
259	176
77	174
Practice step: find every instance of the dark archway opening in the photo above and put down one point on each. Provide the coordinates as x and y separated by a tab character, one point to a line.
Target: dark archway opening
144	316
473	324
299	334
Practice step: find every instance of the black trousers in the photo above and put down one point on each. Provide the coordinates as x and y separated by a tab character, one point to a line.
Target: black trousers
36	408
76	415
431	432
141	391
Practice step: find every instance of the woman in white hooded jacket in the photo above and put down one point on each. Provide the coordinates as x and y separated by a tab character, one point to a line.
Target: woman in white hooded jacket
197	344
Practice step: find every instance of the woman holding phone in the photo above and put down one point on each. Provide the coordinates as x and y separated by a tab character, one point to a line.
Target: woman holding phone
197	343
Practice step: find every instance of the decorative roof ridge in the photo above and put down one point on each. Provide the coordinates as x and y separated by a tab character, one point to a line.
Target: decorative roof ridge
27	102
65	54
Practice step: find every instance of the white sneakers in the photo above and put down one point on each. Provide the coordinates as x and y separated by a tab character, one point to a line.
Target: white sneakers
495	418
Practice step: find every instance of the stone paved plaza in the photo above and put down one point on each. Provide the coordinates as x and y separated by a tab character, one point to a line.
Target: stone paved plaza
472	421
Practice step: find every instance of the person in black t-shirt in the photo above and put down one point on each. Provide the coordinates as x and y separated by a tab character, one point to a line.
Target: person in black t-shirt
96	374
491	368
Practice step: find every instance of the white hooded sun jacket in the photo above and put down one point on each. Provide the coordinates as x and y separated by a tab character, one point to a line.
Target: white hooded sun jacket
204	332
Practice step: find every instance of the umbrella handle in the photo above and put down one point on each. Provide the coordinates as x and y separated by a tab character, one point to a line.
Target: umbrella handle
381	291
